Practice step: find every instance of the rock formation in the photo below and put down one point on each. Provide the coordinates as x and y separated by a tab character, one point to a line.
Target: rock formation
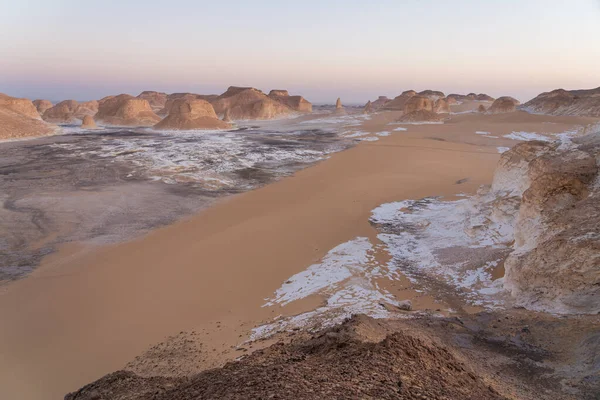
42	105
420	116
481	108
126	110
399	101
190	96
459	98
86	108
62	113
555	265
441	106
19	118
296	103
504	104
156	100
249	103
566	102
195	114
226	116
418	103
338	104
88	122
432	94
368	108
380	102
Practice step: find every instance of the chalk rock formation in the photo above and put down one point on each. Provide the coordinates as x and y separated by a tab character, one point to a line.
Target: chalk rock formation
126	110
441	106
88	122
249	103
555	266
86	108
226	116
481	108
189	96
42	105
19	118
296	103
420	116
418	103
20	106
156	100
62	113
400	101
380	102
368	107
338	104
504	104
566	102
459	98
432	94
191	115
484	97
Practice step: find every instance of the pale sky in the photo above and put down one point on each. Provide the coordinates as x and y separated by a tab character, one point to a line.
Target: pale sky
357	50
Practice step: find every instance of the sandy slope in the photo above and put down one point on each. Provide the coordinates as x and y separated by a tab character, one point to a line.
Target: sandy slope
88	311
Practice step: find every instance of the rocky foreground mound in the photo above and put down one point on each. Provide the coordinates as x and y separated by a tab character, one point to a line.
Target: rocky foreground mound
126	110
504	104
249	103
566	102
296	103
555	265
194	114
19	118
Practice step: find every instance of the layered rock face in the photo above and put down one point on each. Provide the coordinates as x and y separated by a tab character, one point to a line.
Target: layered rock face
156	100
504	104
194	114
88	122
42	105
126	110
400	101
296	103
555	265
563	102
249	103
19	118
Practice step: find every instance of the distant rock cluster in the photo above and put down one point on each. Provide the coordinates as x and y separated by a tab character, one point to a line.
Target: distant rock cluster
566	102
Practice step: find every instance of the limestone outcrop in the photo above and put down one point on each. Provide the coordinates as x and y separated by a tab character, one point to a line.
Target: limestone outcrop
432	94
42	105
19	119
504	104
418	103
86	108
194	114
380	102
481	108
368	107
459	98
420	116
62	113
399	101
296	103
338	104
441	105
566	102
88	122
189	96
126	110
249	103
555	265
156	100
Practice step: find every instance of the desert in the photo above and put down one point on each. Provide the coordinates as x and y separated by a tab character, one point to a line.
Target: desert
299	201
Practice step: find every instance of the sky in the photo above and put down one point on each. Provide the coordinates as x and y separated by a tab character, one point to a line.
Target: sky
356	50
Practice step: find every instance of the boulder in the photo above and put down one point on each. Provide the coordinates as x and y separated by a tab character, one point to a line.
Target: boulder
504	104
88	122
156	100
564	102
399	101
19	119
42	105
481	108
249	103
296	103
62	113
126	110
195	114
